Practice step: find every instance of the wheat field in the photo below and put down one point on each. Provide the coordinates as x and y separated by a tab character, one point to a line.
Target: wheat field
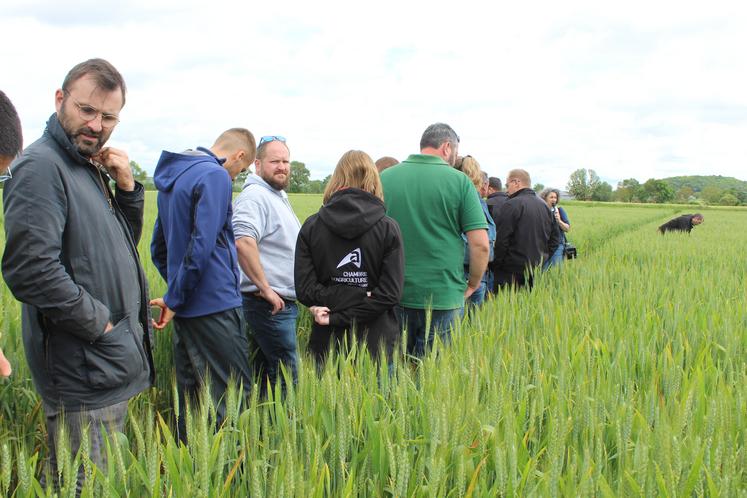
622	374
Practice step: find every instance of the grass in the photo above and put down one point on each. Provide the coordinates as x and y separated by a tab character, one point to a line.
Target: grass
624	374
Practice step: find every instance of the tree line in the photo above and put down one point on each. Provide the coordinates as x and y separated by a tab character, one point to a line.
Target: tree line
585	185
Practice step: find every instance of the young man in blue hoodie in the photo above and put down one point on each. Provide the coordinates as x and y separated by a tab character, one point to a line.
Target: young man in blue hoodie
193	249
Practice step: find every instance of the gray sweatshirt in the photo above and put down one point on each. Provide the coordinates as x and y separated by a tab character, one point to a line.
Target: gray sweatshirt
264	213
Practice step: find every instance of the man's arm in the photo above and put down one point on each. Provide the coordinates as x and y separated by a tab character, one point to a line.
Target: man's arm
248	252
504	229
479	253
35	217
132	205
129	194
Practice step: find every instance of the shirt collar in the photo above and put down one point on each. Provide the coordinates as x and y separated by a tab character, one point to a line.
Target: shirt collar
427	158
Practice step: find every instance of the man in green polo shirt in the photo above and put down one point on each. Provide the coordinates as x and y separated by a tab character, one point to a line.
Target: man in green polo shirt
434	204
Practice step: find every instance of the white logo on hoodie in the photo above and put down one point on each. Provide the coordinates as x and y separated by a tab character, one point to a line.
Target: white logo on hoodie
352	257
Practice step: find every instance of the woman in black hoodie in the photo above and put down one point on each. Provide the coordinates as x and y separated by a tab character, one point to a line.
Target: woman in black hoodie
349	267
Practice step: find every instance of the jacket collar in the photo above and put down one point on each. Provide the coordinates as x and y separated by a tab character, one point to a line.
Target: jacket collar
55	130
524	191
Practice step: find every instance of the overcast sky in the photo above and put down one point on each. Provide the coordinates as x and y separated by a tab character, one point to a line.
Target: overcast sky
629	89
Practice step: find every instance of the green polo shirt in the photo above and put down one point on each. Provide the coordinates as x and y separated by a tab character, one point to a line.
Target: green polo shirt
433	204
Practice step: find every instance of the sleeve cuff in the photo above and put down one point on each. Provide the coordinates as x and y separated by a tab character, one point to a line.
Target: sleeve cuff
138	191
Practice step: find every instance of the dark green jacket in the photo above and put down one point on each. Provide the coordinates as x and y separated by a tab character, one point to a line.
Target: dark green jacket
71	259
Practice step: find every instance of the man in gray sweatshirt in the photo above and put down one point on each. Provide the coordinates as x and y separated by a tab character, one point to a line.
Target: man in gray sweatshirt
266	228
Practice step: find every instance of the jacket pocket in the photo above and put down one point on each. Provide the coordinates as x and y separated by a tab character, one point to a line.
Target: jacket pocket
63	357
114	358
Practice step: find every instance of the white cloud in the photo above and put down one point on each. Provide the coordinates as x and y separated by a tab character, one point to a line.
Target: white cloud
629	89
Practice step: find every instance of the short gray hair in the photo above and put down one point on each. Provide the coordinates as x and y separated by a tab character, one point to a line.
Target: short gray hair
436	134
547	191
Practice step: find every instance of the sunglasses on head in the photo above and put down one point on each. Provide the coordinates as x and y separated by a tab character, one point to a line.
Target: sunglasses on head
271	138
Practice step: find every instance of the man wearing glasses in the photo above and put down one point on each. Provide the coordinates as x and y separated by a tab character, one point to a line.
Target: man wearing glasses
71	259
11	144
266	229
524	234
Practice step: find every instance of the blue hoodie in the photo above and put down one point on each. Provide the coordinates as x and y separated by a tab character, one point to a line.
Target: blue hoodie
193	245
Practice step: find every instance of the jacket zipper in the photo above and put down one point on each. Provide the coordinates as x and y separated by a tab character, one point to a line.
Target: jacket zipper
132	251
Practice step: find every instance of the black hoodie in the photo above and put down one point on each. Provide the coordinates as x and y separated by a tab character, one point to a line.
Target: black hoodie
350	247
682	223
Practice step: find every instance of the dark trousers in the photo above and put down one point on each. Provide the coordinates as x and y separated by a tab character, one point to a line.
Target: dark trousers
100	422
378	339
215	347
272	338
504	280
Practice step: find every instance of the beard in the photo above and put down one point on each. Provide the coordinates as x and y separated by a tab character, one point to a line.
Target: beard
276	184
84	146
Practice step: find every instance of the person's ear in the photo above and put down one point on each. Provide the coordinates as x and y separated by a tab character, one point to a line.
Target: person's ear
59	96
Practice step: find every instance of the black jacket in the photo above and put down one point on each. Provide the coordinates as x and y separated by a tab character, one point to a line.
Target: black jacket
72	260
495	201
682	223
525	235
348	248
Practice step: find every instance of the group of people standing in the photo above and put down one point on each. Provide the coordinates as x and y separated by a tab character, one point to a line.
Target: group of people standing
400	250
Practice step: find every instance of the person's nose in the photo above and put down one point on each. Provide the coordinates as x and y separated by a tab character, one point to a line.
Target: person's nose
96	124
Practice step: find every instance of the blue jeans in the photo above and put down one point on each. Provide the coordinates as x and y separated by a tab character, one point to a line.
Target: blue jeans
414	320
490	282
556	259
272	338
477	297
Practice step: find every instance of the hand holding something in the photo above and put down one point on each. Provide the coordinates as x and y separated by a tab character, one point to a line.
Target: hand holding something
557	214
274	299
166	314
117	164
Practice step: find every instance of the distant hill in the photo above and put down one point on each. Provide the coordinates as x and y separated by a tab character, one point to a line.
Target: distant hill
698	183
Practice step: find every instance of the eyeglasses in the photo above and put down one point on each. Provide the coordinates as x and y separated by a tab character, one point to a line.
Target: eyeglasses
88	113
271	138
